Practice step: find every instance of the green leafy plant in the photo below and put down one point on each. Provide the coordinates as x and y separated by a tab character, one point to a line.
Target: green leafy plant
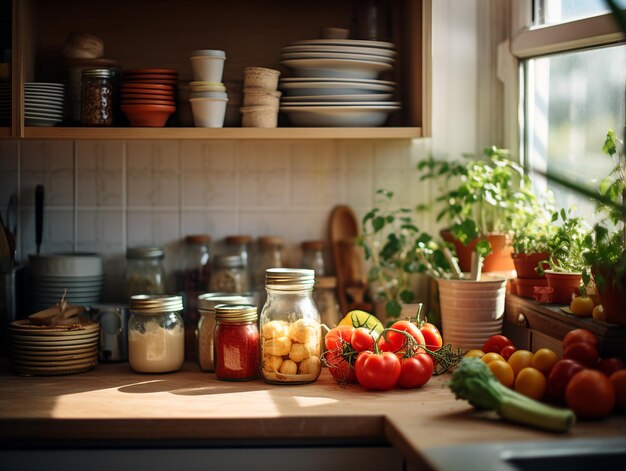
489	195
533	227
568	244
390	240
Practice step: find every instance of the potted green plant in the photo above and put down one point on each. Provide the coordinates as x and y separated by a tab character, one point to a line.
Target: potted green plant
390	239
486	195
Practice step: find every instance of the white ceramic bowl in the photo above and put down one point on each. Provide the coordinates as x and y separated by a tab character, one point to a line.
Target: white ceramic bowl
207	68
66	264
208	112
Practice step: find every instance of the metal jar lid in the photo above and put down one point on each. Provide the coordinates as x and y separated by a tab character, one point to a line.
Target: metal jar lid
271	241
235	313
228	261
145	252
198	239
289	278
155	303
97	73
208	301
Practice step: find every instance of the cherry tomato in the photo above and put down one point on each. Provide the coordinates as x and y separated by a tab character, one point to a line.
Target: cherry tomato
474	354
560	377
398	340
432	336
508	351
503	371
610	365
584	353
337	355
578	336
377	371
362	339
491	356
416	370
544	360
581	306
590	394
531	383
520	359
618	379
598	314
496	343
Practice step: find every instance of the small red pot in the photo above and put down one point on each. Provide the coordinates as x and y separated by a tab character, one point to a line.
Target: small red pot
612	297
525	264
564	285
525	287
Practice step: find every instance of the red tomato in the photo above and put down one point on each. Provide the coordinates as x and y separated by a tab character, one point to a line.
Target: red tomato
496	343
377	371
362	339
560	376
337	355
415	371
432	336
584	353
397	340
610	365
338	337
619	384
383	344
339	367
579	336
590	394
508	351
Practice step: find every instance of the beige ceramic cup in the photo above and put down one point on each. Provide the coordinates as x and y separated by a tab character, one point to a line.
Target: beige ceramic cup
260	77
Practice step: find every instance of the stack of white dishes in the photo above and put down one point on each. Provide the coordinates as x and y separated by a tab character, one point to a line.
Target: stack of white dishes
208	96
78	275
336	82
53	350
43	104
5	104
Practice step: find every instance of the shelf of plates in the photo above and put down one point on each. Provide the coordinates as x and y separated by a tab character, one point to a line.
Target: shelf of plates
139	34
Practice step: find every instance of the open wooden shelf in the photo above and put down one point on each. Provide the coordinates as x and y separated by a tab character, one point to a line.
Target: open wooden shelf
221	133
5	132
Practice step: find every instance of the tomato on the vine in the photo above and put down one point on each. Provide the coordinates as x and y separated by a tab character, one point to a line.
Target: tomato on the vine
416	370
362	339
398	340
432	336
378	371
339	352
338	337
496	343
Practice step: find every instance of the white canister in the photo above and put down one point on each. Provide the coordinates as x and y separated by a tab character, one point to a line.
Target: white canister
207	65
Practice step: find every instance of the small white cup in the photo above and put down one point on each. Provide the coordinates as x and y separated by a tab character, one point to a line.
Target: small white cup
208	112
207	65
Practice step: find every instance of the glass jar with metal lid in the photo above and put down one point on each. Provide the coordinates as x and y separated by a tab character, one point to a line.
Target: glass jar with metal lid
290	328
313	256
228	274
156	339
144	271
240	245
236	342
269	256
97	97
206	325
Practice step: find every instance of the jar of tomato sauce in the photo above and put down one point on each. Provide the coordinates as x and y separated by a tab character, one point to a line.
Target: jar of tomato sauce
236	342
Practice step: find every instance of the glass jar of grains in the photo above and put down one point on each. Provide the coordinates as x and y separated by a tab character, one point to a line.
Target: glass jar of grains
206	325
228	274
144	271
236	342
290	328
96	98
156	341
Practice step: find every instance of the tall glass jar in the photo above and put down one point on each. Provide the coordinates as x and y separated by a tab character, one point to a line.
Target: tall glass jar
290	328
145	273
206	324
156	341
236	342
313	256
97	98
192	279
240	245
229	275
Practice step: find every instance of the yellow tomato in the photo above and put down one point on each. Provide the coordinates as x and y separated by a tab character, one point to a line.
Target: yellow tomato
358	318
474	354
598	314
544	359
581	306
491	356
503	371
520	360
531	383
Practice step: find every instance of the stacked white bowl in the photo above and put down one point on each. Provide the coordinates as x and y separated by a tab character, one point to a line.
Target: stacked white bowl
78	275
43	103
207	92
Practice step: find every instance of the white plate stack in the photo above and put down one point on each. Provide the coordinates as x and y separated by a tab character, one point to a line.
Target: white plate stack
336	82
43	103
53	350
5	104
78	275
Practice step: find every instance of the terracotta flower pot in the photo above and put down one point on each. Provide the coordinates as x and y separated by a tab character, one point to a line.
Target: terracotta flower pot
499	260
525	264
612	296
564	285
525	287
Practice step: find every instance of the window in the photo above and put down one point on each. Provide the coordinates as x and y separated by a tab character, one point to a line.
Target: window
574	91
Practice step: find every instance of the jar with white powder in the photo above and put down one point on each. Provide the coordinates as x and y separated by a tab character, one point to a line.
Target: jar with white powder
156	333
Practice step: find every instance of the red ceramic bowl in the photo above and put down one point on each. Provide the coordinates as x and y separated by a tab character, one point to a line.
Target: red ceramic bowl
151	71
147	86
147	115
148	101
147	94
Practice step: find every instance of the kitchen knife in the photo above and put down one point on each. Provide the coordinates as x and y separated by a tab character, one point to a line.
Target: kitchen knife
39	202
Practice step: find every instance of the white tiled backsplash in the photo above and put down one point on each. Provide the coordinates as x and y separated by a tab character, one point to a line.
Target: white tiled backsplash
104	196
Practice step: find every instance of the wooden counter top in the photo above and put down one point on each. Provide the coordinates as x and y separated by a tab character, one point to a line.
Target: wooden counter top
113	403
